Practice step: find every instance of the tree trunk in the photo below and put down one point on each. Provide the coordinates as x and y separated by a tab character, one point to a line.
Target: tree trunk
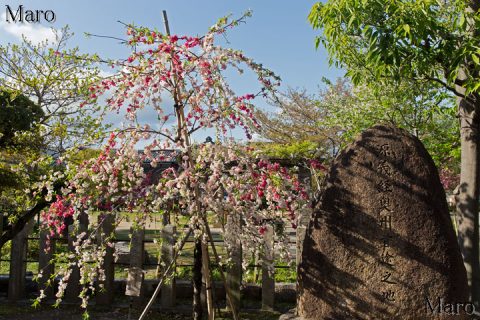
197	280
468	197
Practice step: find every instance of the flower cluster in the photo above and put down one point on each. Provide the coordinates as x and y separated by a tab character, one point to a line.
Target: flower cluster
191	68
232	182
56	215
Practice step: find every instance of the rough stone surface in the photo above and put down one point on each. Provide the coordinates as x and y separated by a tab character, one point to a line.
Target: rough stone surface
290	315
122	251
381	242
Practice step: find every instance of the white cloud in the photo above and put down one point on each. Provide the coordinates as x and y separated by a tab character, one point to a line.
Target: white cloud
105	74
34	32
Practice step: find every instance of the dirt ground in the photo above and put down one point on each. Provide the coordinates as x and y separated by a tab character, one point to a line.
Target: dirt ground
64	314
14	312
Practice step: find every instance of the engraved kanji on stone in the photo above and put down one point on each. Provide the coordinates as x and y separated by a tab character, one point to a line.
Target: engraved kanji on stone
385	202
389	295
385	186
385	212
387	258
386	150
386	222
385	168
386	277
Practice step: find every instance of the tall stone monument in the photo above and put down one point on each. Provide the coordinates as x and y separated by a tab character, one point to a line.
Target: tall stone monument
380	244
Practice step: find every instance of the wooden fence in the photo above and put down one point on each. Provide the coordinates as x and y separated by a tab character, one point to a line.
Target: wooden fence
18	262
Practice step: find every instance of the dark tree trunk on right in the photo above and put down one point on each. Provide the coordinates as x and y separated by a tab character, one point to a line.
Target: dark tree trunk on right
468	197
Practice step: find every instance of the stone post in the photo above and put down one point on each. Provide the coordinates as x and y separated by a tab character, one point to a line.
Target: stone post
44	264
72	291
136	258
305	178
268	270
105	296
167	297
234	249
18	264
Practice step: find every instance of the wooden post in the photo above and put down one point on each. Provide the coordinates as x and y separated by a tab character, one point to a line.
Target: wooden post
72	291
44	265
18	264
136	258
167	296
234	250
268	270
105	295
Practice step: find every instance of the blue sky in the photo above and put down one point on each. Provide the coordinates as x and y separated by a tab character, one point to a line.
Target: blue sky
277	35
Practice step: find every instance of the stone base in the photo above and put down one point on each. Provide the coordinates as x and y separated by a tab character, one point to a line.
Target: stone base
291	315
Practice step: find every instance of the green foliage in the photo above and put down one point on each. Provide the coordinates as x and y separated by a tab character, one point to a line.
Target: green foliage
423	109
79	155
406	54
19	137
422	39
18	114
57	78
294	150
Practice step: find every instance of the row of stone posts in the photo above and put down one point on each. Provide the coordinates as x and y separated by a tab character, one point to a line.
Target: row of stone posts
16	288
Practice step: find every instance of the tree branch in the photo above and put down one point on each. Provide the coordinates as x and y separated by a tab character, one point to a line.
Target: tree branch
12	230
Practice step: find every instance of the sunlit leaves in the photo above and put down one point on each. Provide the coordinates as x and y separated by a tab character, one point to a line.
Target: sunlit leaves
413	39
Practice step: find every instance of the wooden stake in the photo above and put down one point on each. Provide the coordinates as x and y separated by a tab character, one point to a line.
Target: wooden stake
165	22
183	134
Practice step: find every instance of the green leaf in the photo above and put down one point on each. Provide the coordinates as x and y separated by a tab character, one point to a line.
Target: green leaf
475	58
406	28
314	16
317	42
462	21
351	20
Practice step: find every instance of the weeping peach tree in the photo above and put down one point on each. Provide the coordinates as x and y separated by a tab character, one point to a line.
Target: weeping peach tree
219	180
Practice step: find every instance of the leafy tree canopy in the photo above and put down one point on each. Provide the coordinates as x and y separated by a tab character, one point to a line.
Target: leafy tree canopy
18	114
318	126
422	40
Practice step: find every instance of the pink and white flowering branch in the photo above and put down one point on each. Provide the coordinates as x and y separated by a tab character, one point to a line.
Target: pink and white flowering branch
217	180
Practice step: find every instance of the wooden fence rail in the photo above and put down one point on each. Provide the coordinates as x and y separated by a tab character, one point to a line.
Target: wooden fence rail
18	261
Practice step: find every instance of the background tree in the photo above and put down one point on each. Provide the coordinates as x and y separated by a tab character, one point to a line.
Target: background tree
20	144
18	114
318	126
57	79
297	127
425	110
17	134
425	41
